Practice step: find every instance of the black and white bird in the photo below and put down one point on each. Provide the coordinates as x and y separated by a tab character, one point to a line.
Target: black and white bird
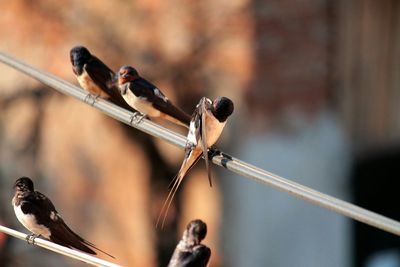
190	252
37	213
146	98
95	77
208	121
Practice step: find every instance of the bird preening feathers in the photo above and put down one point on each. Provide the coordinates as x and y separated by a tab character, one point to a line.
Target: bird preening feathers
128	88
208	121
37	213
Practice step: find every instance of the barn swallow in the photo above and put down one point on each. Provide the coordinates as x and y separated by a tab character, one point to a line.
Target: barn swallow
37	213
95	77
147	98
208	121
190	251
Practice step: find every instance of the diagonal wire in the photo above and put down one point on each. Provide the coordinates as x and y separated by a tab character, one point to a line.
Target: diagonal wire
60	249
228	162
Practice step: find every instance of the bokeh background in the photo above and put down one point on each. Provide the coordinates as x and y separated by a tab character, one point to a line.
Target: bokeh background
316	87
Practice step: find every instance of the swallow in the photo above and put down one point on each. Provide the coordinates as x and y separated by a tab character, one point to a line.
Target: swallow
95	77
147	98
37	213
190	251
208	121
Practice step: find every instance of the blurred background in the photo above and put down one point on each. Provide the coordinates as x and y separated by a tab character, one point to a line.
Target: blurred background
316	87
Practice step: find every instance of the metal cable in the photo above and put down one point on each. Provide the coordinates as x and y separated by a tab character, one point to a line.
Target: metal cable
60	249
224	160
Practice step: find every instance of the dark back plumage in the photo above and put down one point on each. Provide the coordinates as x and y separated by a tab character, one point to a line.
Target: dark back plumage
37	204
100	74
144	89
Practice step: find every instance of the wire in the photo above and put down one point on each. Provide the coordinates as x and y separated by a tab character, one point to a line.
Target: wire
60	249
224	160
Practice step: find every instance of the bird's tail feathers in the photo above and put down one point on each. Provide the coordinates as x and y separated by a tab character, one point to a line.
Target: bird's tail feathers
186	166
175	120
69	238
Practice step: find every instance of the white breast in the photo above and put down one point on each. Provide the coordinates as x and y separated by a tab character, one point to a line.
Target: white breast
30	223
86	83
213	128
191	137
140	104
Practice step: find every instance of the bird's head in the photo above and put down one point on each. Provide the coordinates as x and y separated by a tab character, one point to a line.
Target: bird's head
222	108
125	75
23	184
79	56
195	231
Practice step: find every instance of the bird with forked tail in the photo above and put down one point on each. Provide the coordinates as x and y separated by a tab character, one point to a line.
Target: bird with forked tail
146	98
37	213
208	121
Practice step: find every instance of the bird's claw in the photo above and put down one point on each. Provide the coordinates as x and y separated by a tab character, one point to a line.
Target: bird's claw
212	152
137	118
91	99
31	238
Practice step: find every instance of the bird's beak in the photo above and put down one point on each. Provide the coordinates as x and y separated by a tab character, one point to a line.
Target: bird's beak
123	78
75	69
123	91
78	70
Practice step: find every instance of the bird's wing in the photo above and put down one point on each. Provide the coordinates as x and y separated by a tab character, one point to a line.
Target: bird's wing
104	77
145	89
63	235
100	73
204	106
39	205
47	215
198	257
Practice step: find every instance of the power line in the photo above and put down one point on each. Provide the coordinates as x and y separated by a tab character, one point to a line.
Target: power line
60	249
228	162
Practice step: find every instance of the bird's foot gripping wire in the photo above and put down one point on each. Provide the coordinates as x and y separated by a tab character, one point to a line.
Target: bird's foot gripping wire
213	151
137	118
91	99
31	238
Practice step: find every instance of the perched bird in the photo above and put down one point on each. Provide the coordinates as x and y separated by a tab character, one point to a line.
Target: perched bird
147	98
95	77
37	214
208	121
189	252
